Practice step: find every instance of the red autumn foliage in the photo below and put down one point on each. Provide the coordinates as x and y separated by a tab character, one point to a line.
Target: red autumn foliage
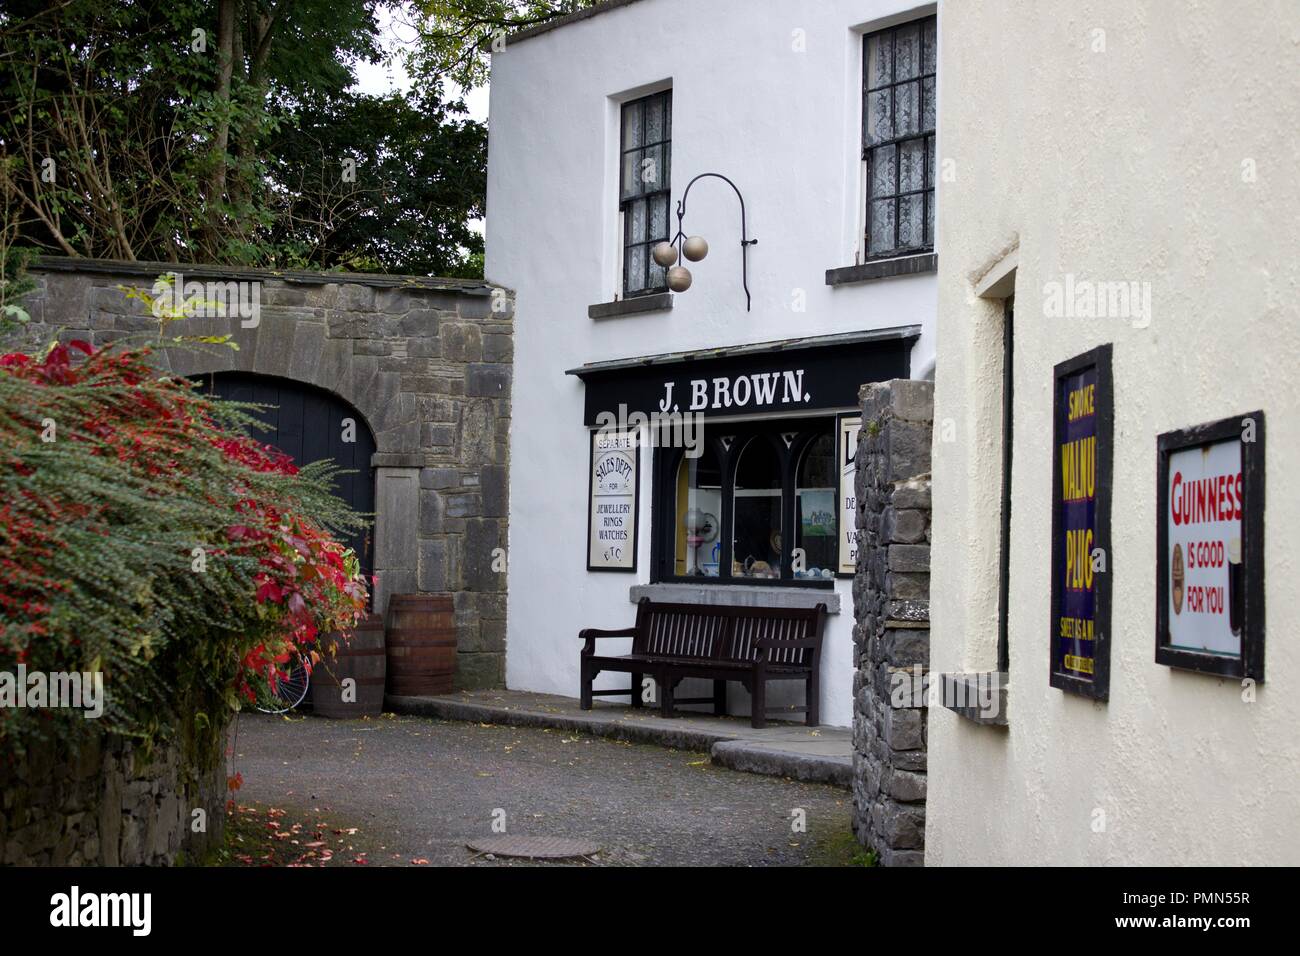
147	429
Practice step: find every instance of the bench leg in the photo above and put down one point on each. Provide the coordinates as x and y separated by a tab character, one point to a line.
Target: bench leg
813	693
720	698
665	696
588	675
636	690
758	706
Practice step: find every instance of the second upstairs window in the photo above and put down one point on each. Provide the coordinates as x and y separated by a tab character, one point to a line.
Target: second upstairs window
645	160
898	138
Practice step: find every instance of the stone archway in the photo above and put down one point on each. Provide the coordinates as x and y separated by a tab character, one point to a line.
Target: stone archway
427	364
291	343
310	424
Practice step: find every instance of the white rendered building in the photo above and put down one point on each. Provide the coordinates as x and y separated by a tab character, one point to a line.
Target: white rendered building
598	123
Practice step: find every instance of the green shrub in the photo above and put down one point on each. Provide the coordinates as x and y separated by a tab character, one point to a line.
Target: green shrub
145	536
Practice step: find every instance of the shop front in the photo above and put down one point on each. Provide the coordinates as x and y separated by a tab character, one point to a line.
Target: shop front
746	455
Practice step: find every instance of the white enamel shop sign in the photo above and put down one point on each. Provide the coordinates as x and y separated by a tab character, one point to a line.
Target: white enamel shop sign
849	427
1205	554
614	485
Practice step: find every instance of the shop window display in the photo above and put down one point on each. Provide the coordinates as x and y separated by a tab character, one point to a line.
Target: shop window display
735	508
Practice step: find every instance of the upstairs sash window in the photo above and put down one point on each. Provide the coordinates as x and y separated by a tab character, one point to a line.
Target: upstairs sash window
898	138
645	160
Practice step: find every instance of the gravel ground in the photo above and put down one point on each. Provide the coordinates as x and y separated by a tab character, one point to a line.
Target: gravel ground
418	789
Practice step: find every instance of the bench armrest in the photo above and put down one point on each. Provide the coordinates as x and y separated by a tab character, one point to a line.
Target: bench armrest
589	634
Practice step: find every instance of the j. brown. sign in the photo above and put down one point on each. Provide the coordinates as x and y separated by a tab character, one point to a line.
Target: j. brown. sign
776	381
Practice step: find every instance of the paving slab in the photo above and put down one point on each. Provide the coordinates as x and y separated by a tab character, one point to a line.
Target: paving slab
782	749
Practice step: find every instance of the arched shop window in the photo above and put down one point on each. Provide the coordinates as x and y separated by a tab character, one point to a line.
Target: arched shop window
756	523
699	507
734	508
815	511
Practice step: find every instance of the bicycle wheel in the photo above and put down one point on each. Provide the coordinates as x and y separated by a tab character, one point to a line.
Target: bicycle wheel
288	692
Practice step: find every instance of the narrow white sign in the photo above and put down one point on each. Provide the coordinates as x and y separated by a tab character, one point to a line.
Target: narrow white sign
611	544
849	428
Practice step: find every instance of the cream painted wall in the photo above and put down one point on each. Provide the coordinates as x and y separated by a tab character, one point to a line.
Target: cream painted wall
1122	164
767	93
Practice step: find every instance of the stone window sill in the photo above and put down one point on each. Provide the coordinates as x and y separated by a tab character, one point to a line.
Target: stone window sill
883	269
659	302
736	595
968	695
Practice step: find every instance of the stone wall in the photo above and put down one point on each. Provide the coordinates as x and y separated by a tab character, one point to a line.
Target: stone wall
427	363
108	802
891	636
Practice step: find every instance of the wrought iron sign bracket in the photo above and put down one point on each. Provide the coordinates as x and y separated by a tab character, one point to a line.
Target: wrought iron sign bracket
695	248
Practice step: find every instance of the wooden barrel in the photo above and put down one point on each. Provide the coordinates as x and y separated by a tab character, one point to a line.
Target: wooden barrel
421	644
360	659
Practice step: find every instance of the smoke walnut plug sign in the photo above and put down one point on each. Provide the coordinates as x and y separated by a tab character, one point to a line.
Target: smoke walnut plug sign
1078	493
1081	524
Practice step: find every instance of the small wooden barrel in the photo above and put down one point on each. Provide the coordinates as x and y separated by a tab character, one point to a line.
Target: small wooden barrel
421	644
362	660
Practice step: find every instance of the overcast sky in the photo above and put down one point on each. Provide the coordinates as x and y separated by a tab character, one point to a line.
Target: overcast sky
397	36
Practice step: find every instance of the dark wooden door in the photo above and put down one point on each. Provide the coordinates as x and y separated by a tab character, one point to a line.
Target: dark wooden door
307	424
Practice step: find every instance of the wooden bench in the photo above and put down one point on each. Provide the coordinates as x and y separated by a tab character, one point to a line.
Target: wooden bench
752	645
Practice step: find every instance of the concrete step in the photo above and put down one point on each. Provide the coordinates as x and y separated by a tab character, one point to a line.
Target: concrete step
782	749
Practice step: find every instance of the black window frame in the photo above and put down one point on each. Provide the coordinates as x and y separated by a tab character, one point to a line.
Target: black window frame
926	135
668	460
1008	448
654	279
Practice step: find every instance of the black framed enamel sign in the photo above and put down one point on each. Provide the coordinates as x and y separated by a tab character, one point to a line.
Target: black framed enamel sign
1084	414
614	493
1210	547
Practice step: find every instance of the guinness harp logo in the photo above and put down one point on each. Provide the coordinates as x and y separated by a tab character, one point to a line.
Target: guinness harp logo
1177	573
